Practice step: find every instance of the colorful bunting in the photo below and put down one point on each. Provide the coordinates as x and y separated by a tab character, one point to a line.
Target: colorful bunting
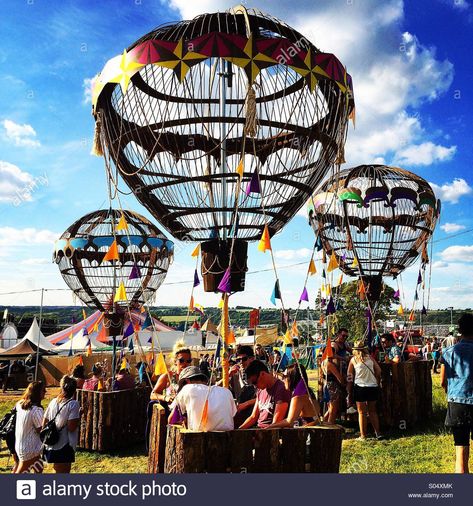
312	269
120	295
304	295
225	285
253	185
147	323
160	367
276	293
196	279
330	307
129	330
112	253
122	224
241	168
135	272
265	241
333	263
84	314
400	311
196	251
191	304
328	352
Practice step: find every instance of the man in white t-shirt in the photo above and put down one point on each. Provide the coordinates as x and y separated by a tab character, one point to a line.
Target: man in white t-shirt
190	401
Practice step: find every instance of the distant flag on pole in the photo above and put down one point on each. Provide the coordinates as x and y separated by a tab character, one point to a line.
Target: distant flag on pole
80	361
240	168
328	352
199	308
220	303
330	309
396	295
191	304
354	264
318	243
84	314
89	348
400	311
424	310
124	364
412	316
253	185
129	330
85	332
147	323
419	278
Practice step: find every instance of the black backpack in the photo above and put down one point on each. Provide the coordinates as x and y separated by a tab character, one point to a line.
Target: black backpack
7	425
49	434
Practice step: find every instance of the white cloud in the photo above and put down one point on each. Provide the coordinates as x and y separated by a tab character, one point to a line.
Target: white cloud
36	261
451	228
392	71
425	154
293	254
452	192
461	5
457	254
87	86
439	264
21	135
14	182
12	237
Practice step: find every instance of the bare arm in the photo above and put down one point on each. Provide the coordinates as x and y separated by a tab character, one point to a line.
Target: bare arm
246	404
295	410
280	411
333	369
350	378
377	371
252	419
443	377
157	393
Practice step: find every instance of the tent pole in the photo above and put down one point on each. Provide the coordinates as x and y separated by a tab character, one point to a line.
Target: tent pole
39	334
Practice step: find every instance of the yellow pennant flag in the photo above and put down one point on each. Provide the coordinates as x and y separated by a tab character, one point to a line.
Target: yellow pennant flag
120	295
89	350
112	253
96	327
191	304
196	251
220	304
400	311
205	416
354	264
240	169
122	224
333	263
287	338
160	367
312	269
84	314
71	335
294	329
100	385
329	290
124	364
265	241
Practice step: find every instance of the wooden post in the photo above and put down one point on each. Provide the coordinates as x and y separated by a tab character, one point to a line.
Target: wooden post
241	451
325	448
266	447
217	451
293	450
185	451
157	440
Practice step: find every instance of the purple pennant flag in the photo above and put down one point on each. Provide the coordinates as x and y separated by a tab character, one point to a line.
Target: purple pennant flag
253	185
330	307
396	295
304	295
424	311
128	331
419	278
135	272
322	302
73	319
225	284
196	279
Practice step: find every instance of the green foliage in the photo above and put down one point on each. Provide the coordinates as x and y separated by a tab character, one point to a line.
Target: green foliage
352	315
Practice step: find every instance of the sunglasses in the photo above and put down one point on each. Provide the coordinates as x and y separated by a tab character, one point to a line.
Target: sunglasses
241	359
185	360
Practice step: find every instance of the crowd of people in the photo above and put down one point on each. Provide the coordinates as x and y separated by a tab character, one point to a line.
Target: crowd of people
265	391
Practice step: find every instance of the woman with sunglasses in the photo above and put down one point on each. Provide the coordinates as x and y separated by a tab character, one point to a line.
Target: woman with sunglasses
304	406
167	385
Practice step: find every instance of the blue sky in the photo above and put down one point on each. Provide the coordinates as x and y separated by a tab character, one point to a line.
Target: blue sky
412	73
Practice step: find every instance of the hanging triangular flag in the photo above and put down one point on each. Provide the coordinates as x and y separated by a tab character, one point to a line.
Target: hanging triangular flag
318	243
330	307
361	290
80	361
333	263
419	278
124	364
147	322
129	330
276	293
120	295
321	319
231	339
328	352
196	251
340	280
199	308
354	264
214	233
400	311
324	275
112	253
312	269
89	348
218	351
287	339
191	304
205	416
416	296
196	279
122	224
424	310
294	329
396	295
412	316
84	314
225	285
265	241
304	295
160	367
131	346
85	332
253	185
71	335
142	372
135	272
240	168
70	352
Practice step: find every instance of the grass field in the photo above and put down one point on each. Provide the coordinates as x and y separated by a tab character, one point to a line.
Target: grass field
427	451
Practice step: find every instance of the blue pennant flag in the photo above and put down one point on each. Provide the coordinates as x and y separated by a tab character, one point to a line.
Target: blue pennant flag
142	372
147	323
318	243
128	331
276	293
217	352
131	347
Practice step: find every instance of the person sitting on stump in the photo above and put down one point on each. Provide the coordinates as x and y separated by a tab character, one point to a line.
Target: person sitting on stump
392	352
204	407
272	397
95	383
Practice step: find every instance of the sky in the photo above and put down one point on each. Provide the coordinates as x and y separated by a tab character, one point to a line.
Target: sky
411	67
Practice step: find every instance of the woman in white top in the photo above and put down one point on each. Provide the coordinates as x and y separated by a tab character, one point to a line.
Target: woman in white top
29	417
65	411
363	379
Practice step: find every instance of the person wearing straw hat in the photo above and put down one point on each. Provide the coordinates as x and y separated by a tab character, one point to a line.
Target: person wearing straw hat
363	379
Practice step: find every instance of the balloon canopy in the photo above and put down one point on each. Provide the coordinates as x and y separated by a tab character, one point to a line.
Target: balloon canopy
195	110
375	219
143	255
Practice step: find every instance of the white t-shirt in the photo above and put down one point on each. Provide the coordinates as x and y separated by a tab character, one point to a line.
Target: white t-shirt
27	441
364	373
69	412
222	409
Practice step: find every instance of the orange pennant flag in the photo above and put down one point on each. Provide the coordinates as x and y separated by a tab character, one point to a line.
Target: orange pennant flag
89	350
231	337
328	352
205	416
160	367
287	339
340	280
240	169
412	316
294	329
265	241
333	263
191	304
80	361
361	290
312	269
100	385
196	251
122	224
112	253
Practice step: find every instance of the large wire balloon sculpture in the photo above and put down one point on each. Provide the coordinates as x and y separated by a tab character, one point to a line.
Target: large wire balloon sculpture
223	125
376	220
144	257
